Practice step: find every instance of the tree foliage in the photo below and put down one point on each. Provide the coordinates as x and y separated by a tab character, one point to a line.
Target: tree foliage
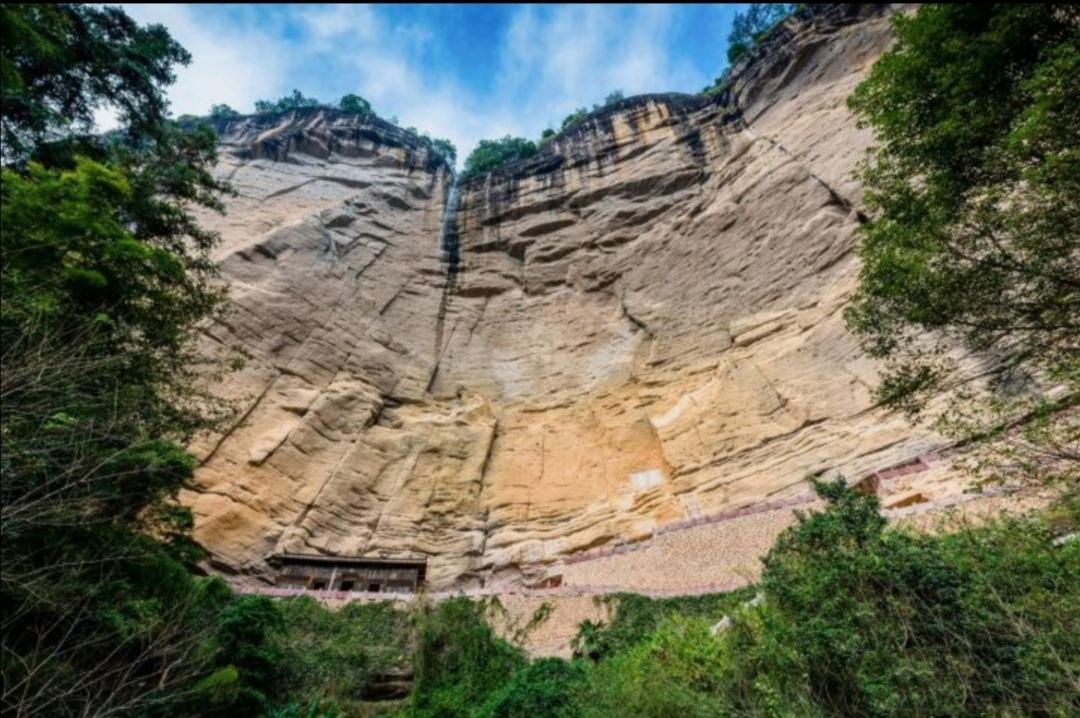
459	662
356	105
573	118
294	101
491	154
975	227
751	25
106	276
332	656
59	63
223	112
856	619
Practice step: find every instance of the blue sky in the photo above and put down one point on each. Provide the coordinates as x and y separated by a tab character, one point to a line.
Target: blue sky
465	72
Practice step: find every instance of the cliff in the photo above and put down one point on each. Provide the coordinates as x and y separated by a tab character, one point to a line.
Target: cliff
639	325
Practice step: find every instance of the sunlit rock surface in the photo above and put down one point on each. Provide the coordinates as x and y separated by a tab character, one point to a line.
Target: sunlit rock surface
644	325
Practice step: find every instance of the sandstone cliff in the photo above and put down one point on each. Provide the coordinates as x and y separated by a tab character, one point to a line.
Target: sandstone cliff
639	325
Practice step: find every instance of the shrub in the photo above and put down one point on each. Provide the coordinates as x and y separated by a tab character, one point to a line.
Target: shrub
862	620
672	672
445	148
334	654
543	688
573	118
613	97
459	662
636	616
859	620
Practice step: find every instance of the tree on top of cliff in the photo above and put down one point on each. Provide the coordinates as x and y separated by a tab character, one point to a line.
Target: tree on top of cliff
223	112
293	101
750	26
975	232
356	104
490	154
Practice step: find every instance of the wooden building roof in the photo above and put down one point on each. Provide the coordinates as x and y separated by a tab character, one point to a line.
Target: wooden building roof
302	558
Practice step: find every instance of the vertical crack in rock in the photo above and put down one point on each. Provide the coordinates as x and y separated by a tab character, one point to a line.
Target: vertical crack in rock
449	246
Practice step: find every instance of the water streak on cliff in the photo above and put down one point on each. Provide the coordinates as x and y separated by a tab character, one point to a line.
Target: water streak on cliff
449	246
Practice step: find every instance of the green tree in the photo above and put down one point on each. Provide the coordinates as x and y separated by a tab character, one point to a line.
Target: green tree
613	97
105	276
853	618
459	662
542	688
445	148
975	228
223	112
332	655
250	657
59	63
754	23
294	101
356	104
491	154
862	620
573	118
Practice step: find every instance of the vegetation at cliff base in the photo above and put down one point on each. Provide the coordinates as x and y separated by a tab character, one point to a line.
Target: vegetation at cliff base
850	618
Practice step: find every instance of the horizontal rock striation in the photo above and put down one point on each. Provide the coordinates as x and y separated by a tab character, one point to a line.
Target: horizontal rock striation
640	325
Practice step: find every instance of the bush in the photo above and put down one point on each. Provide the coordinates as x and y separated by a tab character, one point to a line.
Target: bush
863	621
332	655
459	662
613	97
672	672
247	652
636	616
544	689
446	149
573	118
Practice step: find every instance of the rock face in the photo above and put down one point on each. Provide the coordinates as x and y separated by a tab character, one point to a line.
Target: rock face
639	325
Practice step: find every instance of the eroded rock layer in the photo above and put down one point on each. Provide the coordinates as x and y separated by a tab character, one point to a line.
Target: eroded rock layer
638	325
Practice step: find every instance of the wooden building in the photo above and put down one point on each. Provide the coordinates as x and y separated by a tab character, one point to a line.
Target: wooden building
346	573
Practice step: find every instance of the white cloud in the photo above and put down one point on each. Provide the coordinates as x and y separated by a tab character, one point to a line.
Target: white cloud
556	59
235	63
330	22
